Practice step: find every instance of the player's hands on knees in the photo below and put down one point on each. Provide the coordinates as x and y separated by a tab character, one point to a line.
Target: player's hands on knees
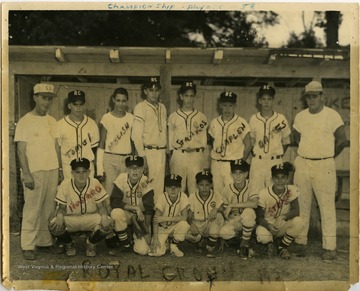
140	215
158	219
212	214
155	244
28	181
58	223
193	229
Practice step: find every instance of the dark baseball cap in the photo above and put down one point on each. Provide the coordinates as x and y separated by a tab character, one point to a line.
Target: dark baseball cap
204	175
241	165
80	163
173	180
152	82
283	168
266	90
76	95
228	96
134	160
188	85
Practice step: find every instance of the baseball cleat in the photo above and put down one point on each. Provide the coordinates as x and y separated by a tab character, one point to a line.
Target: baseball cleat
90	249
243	252
70	249
284	254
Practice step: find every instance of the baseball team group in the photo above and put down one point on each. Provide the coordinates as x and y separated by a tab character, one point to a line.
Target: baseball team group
147	181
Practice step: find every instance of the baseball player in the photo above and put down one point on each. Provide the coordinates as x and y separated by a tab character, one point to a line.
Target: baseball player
79	134
149	134
115	143
187	138
204	217
230	140
278	212
320	134
38	154
171	211
239	207
81	208
270	135
132	201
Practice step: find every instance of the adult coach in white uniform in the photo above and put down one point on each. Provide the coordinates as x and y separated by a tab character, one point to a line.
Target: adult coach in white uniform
270	135
230	140
149	134
79	134
187	138
39	162
320	133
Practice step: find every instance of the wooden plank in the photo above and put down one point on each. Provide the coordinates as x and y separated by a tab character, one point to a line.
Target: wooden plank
59	56
165	79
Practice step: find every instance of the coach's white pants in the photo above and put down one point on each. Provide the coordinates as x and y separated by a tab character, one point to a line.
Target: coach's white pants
221	172
39	209
318	177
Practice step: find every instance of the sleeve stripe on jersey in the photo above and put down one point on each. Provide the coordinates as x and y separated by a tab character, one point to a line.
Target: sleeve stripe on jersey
139	118
60	201
101	198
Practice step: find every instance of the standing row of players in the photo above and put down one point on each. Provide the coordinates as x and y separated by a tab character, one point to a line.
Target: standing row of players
42	143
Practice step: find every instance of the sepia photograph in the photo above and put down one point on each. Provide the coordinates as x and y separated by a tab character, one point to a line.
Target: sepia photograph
194	145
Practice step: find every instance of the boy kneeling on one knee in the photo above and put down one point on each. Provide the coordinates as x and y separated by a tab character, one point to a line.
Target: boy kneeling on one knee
278	212
81	208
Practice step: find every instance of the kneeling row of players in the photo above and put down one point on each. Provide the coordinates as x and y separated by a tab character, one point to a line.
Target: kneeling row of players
205	218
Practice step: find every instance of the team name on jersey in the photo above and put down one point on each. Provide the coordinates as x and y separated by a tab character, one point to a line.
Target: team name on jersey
283	200
231	138
91	193
198	129
276	129
73	151
122	132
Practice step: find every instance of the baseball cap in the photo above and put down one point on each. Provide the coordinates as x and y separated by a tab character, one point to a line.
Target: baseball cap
283	168
313	87
134	160
189	85
173	180
153	82
228	96
44	90
266	90
76	95
80	163
204	175
241	165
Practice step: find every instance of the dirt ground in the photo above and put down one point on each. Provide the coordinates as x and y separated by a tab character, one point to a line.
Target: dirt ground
228	266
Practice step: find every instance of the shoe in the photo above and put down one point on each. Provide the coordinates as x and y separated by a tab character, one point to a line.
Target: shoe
29	255
70	249
284	254
126	248
156	254
90	249
199	246
328	255
210	252
53	249
243	252
174	250
299	249
269	250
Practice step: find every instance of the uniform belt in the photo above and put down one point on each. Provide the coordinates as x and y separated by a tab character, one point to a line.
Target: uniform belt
228	161
191	150
149	147
116	154
270	158
316	159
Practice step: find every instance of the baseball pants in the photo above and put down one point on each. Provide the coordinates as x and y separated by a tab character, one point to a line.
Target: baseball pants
113	166
122	219
319	177
67	170
236	224
221	174
156	163
207	228
39	209
292	227
187	165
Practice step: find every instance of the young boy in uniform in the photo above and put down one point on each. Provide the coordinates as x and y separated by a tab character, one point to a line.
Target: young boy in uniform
187	138
132	203
171	211
81	208
278	212
204	217
240	205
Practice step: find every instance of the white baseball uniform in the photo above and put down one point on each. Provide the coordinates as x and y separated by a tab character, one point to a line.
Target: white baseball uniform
117	146
188	140
149	136
315	170
269	136
274	206
228	145
39	133
76	141
238	218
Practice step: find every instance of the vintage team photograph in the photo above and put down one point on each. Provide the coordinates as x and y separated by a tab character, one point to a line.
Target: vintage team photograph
152	144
